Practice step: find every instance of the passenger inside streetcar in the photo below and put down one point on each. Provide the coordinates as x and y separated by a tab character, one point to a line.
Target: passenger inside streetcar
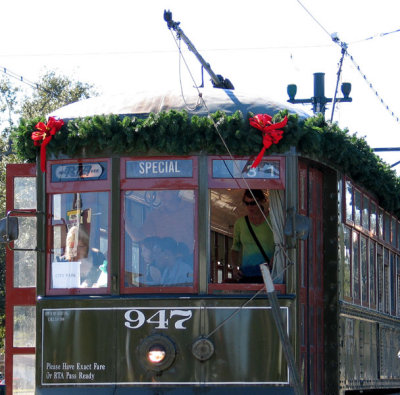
159	238
235	255
253	238
93	264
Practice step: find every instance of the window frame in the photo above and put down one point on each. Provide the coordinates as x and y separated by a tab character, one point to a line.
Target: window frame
158	184
68	187
238	183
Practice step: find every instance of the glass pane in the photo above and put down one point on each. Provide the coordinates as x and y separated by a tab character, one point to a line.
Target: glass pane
398	285
364	272
373	218
365	213
372	275
346	269
25	193
386	225
159	238
24	326
23	374
80	240
394	232
25	261
386	283
379	264
356	267
349	202
357	208
380	224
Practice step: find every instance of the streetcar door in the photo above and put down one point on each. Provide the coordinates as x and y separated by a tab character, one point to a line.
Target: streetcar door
21	281
311	280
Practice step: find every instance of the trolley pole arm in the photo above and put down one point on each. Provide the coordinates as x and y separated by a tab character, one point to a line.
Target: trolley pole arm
217	80
287	348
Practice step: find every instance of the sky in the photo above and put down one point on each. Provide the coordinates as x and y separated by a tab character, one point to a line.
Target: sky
261	46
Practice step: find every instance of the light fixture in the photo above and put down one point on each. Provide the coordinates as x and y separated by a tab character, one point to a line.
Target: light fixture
156	353
291	91
346	89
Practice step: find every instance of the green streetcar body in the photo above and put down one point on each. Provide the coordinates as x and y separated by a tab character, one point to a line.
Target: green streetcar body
339	298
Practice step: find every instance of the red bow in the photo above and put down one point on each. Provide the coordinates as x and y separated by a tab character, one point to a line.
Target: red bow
271	134
43	136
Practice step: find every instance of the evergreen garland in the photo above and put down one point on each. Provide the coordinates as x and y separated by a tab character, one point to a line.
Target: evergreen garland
175	132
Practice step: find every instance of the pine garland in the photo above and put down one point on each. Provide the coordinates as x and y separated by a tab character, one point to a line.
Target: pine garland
175	132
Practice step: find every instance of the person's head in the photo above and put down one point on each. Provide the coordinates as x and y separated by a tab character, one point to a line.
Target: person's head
251	202
165	251
146	248
77	243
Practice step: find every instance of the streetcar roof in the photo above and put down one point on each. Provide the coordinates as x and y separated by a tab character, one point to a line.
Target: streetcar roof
144	103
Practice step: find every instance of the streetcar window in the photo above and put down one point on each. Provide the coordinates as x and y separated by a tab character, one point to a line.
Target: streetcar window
394	232
373	218
364	270
398	235
386	225
79	236
356	266
372	274
346	269
24	318
357	208
365	213
159	238
349	201
228	210
398	285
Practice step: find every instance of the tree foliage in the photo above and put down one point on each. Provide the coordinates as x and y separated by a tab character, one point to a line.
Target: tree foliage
54	91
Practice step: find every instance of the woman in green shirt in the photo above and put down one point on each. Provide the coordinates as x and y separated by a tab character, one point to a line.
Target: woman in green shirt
243	240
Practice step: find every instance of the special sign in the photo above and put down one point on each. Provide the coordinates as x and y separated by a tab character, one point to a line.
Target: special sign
160	168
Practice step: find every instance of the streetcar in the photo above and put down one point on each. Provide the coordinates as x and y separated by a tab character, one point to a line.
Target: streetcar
86	309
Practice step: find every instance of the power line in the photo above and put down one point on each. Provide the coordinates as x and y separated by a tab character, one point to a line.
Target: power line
376	36
378	96
20	78
25	81
343	46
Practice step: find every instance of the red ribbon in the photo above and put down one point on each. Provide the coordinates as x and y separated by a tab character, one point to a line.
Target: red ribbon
270	131
43	136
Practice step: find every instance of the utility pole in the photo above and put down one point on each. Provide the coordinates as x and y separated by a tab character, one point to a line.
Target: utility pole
319	100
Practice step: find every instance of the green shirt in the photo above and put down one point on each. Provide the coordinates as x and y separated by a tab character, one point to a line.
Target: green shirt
251	254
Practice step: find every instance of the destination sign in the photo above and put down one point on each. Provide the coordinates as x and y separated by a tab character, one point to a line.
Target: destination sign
79	172
159	168
242	169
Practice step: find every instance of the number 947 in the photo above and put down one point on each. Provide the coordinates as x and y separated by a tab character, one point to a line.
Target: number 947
161	319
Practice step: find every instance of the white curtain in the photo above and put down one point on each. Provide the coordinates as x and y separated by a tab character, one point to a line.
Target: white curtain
276	202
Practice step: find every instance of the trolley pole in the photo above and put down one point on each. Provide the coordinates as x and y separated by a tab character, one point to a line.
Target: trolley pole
276	313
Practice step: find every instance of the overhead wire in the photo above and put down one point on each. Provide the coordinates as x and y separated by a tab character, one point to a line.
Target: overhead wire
22	79
376	36
343	45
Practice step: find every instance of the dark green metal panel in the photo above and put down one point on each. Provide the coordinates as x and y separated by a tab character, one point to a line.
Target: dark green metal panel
102	343
169	391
